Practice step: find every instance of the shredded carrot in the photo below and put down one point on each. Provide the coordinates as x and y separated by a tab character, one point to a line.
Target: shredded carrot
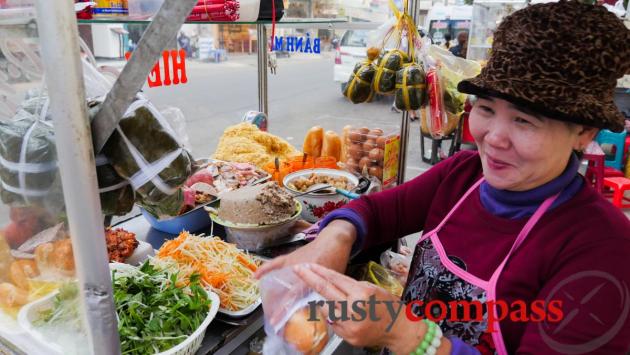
222	267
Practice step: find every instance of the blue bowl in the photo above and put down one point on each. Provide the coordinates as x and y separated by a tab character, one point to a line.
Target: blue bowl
191	221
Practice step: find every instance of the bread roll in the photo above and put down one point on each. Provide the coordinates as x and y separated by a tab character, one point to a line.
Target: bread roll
55	258
313	142
308	337
63	258
21	271
11	296
332	145
5	259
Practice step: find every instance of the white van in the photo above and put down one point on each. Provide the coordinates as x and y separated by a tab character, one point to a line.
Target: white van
351	50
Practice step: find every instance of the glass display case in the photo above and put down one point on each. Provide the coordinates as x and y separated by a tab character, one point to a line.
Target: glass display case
487	15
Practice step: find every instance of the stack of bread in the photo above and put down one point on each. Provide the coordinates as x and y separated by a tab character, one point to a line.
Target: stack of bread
318	143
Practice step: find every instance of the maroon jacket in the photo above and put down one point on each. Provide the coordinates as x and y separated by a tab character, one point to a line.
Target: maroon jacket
577	253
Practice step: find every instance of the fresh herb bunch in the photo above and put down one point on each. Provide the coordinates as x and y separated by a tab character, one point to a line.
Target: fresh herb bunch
154	314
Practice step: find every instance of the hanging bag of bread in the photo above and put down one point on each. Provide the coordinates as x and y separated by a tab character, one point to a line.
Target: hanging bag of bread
358	89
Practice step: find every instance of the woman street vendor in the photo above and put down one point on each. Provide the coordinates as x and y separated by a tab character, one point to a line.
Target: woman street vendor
513	223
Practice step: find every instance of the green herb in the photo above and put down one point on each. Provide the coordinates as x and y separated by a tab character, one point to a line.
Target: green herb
154	314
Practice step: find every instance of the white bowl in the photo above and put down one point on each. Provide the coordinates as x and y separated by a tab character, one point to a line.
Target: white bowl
316	205
253	237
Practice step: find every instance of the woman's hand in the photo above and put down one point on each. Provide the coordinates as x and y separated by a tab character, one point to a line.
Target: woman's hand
331	248
372	316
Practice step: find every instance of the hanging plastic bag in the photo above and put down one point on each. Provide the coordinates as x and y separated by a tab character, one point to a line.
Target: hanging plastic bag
290	311
358	89
446	103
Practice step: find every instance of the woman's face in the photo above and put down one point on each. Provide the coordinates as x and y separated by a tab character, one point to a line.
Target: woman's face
521	150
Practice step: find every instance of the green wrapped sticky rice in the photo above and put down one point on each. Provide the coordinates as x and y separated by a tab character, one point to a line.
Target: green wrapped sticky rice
117	196
385	77
410	87
358	89
145	152
28	161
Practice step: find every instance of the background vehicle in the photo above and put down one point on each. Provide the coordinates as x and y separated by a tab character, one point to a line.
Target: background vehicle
352	49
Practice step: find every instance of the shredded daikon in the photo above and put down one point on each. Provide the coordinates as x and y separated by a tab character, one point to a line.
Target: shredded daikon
224	268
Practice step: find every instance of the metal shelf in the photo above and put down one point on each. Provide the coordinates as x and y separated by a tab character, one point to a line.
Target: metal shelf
284	21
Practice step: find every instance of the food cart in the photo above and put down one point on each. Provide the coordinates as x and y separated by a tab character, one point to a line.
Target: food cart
76	141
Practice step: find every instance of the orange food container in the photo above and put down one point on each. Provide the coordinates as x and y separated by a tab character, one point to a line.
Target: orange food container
298	163
326	162
278	175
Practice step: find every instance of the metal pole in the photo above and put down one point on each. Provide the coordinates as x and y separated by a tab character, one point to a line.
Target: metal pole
404	124
261	33
59	39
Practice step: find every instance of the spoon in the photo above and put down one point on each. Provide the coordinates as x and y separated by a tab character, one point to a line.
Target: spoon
315	188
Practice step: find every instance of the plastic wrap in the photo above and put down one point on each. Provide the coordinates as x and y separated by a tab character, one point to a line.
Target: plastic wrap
287	307
28	161
144	151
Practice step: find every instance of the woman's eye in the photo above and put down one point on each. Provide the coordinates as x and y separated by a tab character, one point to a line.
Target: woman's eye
522	120
486	109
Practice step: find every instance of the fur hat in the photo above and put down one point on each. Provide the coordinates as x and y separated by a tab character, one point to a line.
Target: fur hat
561	60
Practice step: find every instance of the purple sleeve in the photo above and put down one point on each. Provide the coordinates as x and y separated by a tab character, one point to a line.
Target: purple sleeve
353	217
458	347
395	213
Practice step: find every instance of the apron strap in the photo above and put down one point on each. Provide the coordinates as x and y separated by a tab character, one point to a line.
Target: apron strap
461	200
524	232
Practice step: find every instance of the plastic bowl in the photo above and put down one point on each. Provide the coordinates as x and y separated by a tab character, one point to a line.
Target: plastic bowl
316	205
191	221
252	237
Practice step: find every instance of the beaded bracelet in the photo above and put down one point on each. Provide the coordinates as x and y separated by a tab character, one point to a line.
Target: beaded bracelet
431	341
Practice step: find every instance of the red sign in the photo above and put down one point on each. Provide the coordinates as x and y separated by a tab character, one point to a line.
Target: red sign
172	65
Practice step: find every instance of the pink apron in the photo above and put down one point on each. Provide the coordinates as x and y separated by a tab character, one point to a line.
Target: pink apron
436	276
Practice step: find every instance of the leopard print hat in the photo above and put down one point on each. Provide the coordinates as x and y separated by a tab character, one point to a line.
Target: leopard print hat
561	60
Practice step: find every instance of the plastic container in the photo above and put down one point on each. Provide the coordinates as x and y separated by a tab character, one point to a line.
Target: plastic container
191	221
143	9
278	175
326	163
375	151
299	163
